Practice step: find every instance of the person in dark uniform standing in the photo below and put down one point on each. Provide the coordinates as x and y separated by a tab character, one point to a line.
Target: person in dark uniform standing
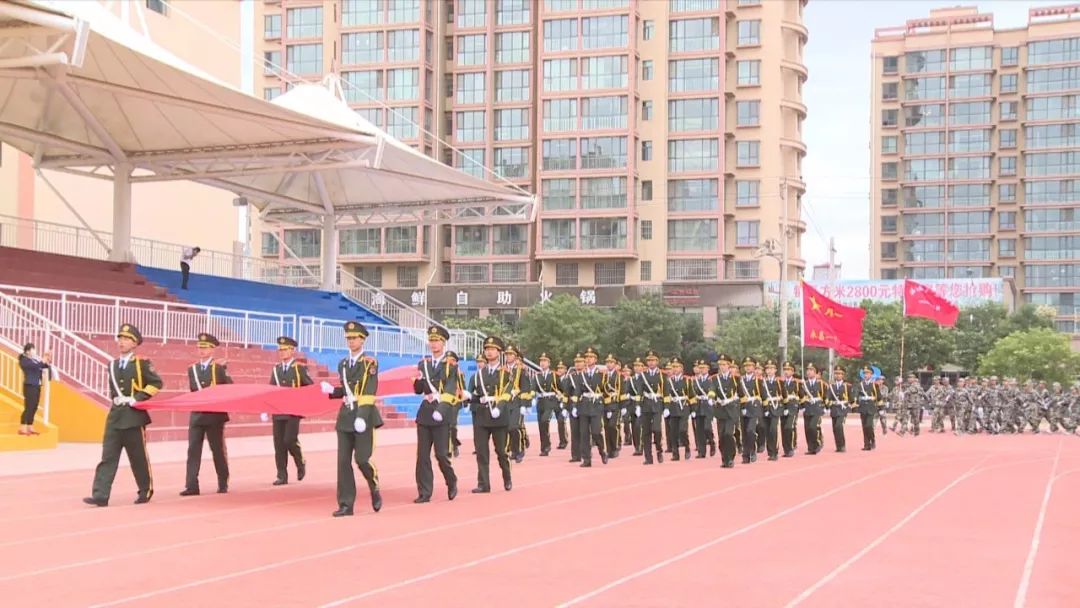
790	392
613	405
562	412
590	408
209	425
356	420
771	397
727	411
838	397
702	415
813	399
437	381
491	395
546	384
571	382
868	397
653	389
131	380
750	398
680	402
635	395
286	426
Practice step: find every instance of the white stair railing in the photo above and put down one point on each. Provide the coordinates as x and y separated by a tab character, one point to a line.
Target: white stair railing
72	356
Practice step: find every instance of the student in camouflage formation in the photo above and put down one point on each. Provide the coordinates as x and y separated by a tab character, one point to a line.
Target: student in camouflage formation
883	404
915	400
937	396
896	402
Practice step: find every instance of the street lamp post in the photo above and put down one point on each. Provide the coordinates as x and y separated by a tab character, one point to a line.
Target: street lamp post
772	249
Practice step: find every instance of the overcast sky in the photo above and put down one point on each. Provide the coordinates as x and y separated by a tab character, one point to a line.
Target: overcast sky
837	128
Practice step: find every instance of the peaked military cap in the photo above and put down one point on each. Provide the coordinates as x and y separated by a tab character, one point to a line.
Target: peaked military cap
652	354
127	330
285	342
208	341
436	332
770	363
591	351
355	329
544	356
494	342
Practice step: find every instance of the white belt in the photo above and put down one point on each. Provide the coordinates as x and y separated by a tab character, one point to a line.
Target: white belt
591	395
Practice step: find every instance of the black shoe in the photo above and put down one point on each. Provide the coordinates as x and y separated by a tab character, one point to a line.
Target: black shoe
841	450
660	457
603	458
223	490
728	465
753	458
301	471
866	448
810	452
508	485
712	450
457	452
789	454
422	499
376	501
647	462
573	460
343	511
562	446
545	452
774	457
451	492
142	500
686	455
746	460
638	453
586	464
280	482
189	492
481	490
519	458
614	454
97	502
675	457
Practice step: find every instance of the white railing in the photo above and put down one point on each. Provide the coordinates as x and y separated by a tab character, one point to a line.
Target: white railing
383	304
12	378
72	357
315	334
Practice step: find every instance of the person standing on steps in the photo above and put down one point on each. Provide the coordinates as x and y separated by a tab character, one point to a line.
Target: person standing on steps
186	257
286	426
437	381
356	421
32	369
131	380
209	425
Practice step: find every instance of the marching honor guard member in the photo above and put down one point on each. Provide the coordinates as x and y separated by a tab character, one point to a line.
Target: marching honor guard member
462	398
491	395
813	409
750	398
868	400
702	415
771	395
437	381
520	400
131	380
561	408
286	426
838	398
546	384
209	425
791	391
613	405
356	421
727	411
680	403
635	395
651	416
590	409
571	382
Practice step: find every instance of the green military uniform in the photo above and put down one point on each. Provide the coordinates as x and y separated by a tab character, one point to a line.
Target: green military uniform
590	406
491	397
131	380
570	383
868	398
772	396
356	423
838	397
727	412
521	392
789	410
750	402
813	400
287	426
208	425
455	409
679	402
438	383
613	390
653	390
546	385
562	411
703	413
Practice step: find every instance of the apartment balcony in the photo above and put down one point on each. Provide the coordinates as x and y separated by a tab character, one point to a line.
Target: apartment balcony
787	142
798	28
797	106
798	68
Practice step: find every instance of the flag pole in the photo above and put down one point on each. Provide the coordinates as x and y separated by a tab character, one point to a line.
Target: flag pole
802	330
903	325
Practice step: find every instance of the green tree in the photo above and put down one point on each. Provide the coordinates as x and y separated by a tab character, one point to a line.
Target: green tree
1028	317
637	325
755	333
1038	354
977	329
489	326
560	327
693	345
925	343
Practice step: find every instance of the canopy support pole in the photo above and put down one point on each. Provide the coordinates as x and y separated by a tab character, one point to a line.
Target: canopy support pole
121	244
329	252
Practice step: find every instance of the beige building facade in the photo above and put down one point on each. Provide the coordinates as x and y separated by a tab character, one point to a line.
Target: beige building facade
663	139
976	152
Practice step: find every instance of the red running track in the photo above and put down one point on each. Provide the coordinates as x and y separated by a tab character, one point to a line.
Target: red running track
929	521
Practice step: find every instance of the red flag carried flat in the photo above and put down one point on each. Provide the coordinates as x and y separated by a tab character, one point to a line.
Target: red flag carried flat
921	301
830	324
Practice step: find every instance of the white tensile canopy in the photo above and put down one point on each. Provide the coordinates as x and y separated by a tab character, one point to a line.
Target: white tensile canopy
82	92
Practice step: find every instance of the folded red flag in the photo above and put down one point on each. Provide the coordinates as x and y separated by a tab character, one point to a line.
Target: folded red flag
249	399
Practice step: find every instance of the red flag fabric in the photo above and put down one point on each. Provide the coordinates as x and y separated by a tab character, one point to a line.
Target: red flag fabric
249	399
921	301
830	324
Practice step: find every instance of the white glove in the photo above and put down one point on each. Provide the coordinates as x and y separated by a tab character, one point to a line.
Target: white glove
533	402
524	410
637	411
574	412
466	395
565	414
436	416
693	414
609	415
118	400
326	387
667	413
264	417
359	425
744	411
495	412
622	412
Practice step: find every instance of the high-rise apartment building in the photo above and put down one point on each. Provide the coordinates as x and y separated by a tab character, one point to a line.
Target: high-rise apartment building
976	152
662	137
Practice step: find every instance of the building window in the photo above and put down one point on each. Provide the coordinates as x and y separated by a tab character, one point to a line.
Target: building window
888	171
304	22
1008	110
646	230
471	13
971	58
1008	83
889	197
969	222
364	47
890	65
693	195
560	74
359	241
566	274
512	12
512	85
888	144
1010	56
925	61
889	91
512	47
749	73
403	84
694	6
1006	248
603	152
1007	138
1007	166
603	113
747	154
401	239
509	272
559	155
472	162
271	27
645	271
304	243
647	69
687	75
404	11
512	163
1006	220
603	193
696	155
607	72
692	35
1053	79
470	126
403	45
269	93
1053	51
686	115
361	12
470	240
511	124
889	118
888	224
603	233
559	235
610	273
888	251
749	32
408	276
271	62
557	194
470	273
646	111
888	274
270	245
691	270
746	233
510	239
304	59
158	6
1006	193
364	86
605	32
472	50
470	88
745	270
693	235
748	113
747	193
559	115
402	122
560	35
646	152
648	29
